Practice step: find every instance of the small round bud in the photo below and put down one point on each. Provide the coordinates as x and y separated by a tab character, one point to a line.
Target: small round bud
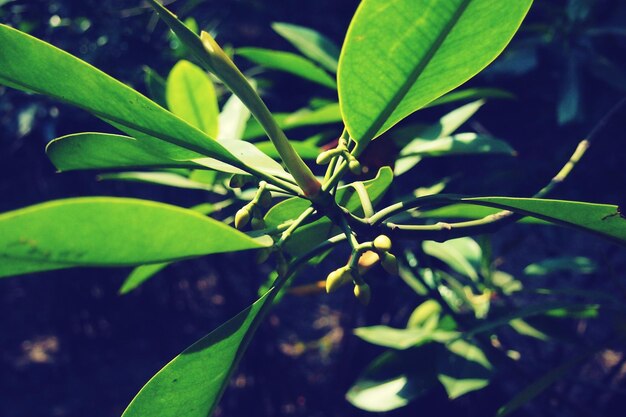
389	263
242	217
367	260
382	243
337	278
325	157
363	293
355	167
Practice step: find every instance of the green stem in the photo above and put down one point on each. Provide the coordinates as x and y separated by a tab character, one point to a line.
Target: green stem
368	209
222	66
294	225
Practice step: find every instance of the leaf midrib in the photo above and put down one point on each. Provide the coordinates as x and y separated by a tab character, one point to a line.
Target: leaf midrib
414	76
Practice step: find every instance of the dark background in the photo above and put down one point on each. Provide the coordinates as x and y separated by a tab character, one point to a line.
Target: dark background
70	346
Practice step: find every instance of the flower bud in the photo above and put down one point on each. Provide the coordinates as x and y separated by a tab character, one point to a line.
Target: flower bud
389	263
337	278
325	157
355	167
367	260
382	243
242	217
363	293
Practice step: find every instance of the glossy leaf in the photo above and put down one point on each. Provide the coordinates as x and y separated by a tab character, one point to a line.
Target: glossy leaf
463	368
233	119
401	339
394	379
310	43
601	219
193	382
306	150
288	62
463	255
400	56
34	65
327	114
140	275
191	96
459	144
160	178
470	94
108	231
467	211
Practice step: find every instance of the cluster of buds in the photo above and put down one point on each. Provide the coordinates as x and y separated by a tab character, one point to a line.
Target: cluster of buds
366	259
341	149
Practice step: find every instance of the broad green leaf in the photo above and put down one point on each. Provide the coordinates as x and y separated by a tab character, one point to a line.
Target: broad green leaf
399	56
194	381
108	231
401	339
31	64
601	219
463	255
140	275
191	96
104	151
310	43
327	114
459	144
160	178
444	128
424	314
576	264
466	211
394	379
288	62
463	368
233	119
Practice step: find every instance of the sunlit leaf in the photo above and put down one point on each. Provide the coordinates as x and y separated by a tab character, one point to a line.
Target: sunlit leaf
288	62
463	368
108	231
310	43
191	96
576	264
399	56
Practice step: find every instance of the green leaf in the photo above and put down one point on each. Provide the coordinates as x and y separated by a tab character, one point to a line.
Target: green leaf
310	43
306	150
327	114
466	211
459	144
33	65
160	178
233	119
463	255
600	219
463	368
288	62
576	264
140	275
394	379
470	94
107	231
194	381
400	56
104	151
191	96
401	339
155	85
444	128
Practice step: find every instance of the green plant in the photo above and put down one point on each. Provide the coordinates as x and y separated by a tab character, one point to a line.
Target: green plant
396	59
